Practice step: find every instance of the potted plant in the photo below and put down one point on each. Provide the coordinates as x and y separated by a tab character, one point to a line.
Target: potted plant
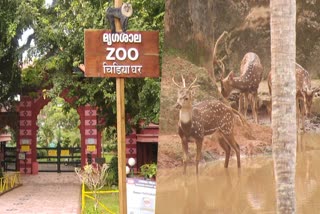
148	171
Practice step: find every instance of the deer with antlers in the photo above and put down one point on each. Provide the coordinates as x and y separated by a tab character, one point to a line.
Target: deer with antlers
304	94
202	119
247	83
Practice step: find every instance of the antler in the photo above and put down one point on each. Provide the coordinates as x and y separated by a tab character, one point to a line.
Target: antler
222	67
214	55
194	81
183	81
176	83
300	66
219	62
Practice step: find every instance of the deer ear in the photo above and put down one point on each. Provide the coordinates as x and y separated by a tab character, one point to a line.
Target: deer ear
231	75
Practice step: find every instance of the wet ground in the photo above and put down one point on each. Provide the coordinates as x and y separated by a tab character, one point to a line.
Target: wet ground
250	189
45	193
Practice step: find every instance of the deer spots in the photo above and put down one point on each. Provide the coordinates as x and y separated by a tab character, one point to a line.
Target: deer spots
247	83
205	118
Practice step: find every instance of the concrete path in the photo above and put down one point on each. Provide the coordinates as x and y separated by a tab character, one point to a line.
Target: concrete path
45	193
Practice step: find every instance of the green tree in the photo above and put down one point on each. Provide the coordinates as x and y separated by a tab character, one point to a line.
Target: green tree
58	38
9	69
16	16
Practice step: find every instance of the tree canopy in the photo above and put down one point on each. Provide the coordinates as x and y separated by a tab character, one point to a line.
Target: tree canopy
56	48
11	28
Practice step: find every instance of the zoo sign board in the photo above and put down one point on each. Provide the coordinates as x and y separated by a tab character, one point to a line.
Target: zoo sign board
133	54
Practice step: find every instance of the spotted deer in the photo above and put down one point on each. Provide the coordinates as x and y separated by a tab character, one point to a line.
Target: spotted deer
247	83
202	119
304	94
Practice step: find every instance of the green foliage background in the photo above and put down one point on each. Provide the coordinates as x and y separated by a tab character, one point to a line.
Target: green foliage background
55	124
56	47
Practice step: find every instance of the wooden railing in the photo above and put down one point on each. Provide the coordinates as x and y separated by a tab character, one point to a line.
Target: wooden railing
9	182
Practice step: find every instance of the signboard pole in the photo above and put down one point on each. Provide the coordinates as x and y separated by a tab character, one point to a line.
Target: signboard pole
121	135
133	54
121	132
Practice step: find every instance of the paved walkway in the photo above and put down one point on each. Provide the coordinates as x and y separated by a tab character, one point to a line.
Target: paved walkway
45	193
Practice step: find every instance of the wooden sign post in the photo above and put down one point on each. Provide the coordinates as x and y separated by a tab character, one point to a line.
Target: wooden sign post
121	136
133	54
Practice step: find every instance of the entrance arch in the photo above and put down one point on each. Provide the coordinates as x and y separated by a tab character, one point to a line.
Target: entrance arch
29	108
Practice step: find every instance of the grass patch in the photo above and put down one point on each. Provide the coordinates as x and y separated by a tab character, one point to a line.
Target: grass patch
108	157
109	200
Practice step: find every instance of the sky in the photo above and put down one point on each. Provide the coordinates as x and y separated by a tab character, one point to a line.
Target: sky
48	2
28	32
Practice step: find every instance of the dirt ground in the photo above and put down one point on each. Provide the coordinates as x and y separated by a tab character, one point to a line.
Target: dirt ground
256	139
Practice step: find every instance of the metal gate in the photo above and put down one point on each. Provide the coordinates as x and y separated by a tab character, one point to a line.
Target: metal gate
9	162
59	159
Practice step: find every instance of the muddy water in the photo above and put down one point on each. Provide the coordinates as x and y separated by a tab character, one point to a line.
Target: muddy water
248	190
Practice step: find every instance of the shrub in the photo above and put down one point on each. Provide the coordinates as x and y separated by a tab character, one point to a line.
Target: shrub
112	172
93	176
149	170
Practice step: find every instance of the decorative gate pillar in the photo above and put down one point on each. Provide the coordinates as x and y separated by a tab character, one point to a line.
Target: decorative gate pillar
90	136
25	137
29	109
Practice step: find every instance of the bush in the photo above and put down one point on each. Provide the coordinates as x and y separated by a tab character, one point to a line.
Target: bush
149	170
112	172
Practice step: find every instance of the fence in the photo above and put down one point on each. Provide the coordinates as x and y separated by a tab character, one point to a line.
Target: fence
10	181
88	194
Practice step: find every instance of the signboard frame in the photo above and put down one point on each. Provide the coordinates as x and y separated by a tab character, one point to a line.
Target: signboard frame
134	54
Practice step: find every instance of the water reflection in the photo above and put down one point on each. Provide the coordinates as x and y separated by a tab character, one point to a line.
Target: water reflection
250	189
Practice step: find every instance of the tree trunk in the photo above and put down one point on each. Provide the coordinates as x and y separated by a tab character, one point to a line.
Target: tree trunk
284	139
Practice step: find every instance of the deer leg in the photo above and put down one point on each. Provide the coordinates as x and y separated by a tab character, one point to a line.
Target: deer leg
185	155
269	109
303	114
254	106
241	104
303	117
299	113
225	146
199	148
245	104
233	143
